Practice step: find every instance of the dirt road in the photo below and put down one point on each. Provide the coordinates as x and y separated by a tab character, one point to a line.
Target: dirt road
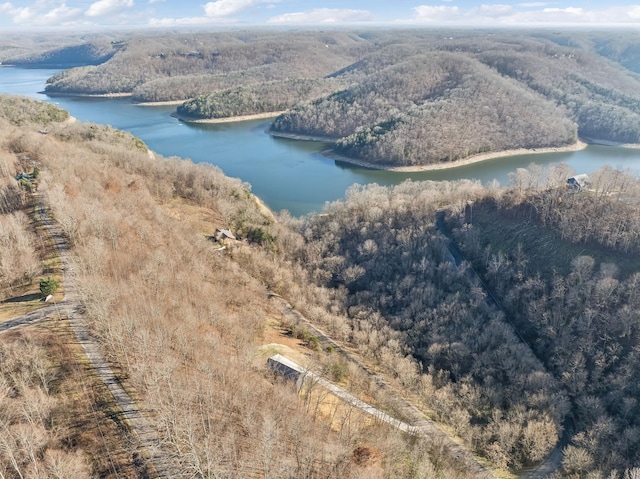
69	308
417	424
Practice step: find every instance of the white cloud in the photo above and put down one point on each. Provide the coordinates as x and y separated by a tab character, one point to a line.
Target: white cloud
182	21
6	7
38	15
24	15
634	12
492	10
541	15
219	11
324	15
61	15
437	13
107	7
170	22
226	8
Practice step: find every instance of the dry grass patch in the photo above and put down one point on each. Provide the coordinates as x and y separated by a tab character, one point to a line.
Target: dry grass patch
199	218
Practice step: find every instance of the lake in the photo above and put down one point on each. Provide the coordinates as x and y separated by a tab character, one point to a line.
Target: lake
285	174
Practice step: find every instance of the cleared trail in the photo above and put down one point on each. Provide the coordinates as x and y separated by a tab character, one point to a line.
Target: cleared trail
46	313
417	424
553	461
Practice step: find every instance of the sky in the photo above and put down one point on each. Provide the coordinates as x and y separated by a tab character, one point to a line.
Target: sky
88	14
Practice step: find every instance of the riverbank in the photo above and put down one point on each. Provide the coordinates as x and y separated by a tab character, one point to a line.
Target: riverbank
579	145
596	141
301	137
230	119
160	103
87	95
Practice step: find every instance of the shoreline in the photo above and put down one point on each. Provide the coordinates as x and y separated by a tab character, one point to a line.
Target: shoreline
596	141
228	119
298	136
87	95
115	95
480	157
159	103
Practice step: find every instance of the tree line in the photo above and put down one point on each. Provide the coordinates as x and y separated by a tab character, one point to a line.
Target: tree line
161	67
260	98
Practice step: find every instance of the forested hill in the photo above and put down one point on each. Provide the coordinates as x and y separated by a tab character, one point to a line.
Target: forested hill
179	67
47	50
548	338
429	101
391	98
69	56
254	99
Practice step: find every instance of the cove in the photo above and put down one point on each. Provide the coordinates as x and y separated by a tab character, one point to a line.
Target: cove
285	174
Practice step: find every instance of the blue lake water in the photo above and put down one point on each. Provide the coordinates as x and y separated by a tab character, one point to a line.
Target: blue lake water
285	174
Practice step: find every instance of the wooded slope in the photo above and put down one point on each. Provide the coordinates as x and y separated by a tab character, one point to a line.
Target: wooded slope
55	49
171	62
437	100
182	321
582	315
383	253
260	98
549	341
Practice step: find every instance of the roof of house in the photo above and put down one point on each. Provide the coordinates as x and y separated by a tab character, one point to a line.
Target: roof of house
225	232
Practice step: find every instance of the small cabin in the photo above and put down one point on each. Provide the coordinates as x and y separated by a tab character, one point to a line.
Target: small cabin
578	182
223	235
286	368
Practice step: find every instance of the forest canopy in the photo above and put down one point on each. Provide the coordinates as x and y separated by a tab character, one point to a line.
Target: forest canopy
529	329
437	100
390	98
512	315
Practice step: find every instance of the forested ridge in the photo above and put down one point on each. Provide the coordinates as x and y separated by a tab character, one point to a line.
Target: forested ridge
437	100
56	50
261	98
186	324
582	316
398	98
181	66
557	348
